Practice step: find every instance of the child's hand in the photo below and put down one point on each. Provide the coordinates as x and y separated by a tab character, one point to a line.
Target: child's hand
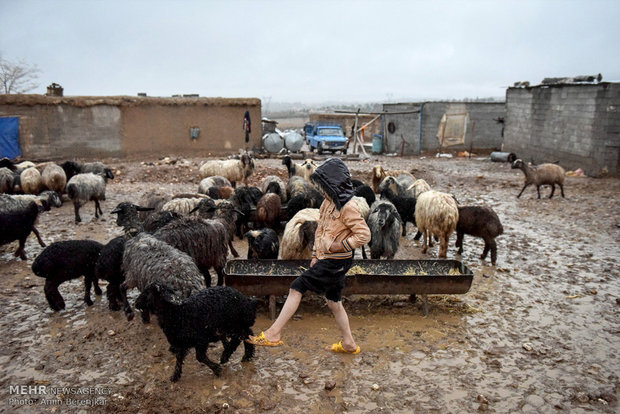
313	262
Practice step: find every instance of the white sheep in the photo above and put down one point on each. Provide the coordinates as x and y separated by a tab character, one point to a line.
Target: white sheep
31	181
436	214
54	178
234	170
543	174
298	238
182	206
83	188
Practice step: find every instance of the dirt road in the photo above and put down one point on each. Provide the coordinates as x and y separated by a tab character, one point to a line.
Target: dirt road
538	333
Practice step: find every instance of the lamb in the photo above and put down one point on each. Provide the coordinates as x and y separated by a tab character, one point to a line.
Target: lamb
480	222
436	213
262	244
214	314
384	223
147	260
304	170
109	267
65	260
298	237
31	182
543	174
404	205
268	211
6	180
214	181
83	188
17	220
274	184
379	174
54	178
234	170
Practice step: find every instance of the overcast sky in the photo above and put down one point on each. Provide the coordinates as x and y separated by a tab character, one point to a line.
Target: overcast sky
310	51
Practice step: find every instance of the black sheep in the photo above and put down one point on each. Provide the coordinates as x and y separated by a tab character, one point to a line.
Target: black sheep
66	260
296	204
218	313
366	192
357	183
17	220
243	199
109	267
479	222
262	244
404	205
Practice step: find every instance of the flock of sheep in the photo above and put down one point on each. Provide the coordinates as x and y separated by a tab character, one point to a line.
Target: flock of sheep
170	243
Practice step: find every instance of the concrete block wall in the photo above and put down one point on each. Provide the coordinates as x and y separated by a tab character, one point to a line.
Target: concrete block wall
482	128
575	125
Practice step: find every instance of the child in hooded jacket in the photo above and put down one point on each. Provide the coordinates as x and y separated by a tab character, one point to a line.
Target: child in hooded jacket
341	229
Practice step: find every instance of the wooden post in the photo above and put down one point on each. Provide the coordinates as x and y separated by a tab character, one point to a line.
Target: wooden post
355	132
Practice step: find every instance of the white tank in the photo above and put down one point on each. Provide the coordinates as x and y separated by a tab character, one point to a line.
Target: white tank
293	141
273	142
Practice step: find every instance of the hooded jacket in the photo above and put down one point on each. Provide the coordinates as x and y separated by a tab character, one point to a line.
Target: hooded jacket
340	219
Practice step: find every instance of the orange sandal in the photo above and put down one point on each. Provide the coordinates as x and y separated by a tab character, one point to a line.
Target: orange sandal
338	348
261	340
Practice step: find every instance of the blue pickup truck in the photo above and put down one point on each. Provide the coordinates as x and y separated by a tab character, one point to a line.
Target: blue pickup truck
324	136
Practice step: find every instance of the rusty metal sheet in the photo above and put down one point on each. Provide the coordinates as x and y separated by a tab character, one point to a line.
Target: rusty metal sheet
273	277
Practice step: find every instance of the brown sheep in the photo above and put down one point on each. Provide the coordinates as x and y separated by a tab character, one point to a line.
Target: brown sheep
268	211
543	174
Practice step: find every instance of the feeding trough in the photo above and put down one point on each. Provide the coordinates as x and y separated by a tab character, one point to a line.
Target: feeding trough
366	277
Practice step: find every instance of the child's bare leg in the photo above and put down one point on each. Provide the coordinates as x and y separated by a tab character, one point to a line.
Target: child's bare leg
342	320
274	332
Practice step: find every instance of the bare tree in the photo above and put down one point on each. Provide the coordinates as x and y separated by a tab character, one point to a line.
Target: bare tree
17	77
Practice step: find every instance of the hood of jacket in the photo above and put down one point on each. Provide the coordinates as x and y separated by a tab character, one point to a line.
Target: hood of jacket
335	180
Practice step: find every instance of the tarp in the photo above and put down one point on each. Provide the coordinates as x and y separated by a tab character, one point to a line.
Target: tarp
9	138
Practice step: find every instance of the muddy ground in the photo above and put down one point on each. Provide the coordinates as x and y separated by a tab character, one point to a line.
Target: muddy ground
539	332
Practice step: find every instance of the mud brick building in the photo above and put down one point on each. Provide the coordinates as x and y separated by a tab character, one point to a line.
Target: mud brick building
53	127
